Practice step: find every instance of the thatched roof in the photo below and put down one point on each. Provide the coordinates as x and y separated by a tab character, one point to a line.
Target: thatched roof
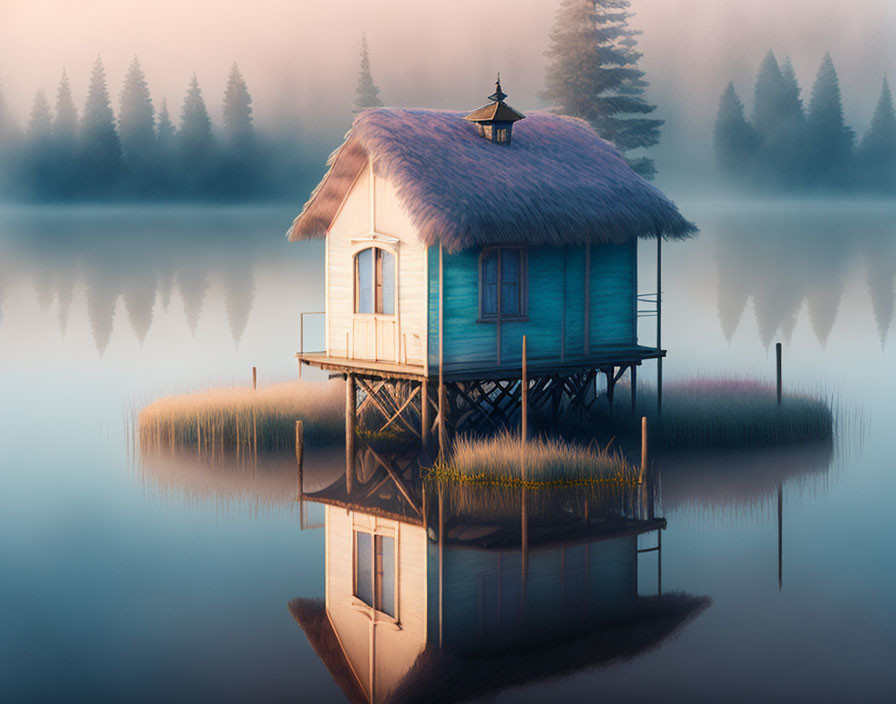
557	183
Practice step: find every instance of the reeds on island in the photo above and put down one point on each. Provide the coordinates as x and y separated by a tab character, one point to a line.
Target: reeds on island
245	419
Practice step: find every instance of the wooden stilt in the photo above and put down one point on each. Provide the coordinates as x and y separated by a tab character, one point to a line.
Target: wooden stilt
425	422
611	386
350	420
634	379
254	377
643	448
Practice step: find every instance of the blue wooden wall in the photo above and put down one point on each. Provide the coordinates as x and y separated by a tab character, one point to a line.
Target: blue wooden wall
612	308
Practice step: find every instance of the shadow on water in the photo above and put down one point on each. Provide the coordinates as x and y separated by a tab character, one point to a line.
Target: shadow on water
441	593
787	257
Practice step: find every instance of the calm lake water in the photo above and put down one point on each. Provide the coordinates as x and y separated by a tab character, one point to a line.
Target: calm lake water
124	581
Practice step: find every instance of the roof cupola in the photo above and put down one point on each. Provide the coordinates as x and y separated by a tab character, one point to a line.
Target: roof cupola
495	119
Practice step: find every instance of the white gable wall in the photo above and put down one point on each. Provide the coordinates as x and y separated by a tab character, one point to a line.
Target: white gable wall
379	650
370	211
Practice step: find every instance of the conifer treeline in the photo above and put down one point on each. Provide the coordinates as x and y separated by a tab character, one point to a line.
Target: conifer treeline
140	153
786	146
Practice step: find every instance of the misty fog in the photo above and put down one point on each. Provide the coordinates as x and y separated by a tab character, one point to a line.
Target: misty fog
300	59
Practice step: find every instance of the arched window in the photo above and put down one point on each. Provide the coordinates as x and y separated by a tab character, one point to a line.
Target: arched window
375	281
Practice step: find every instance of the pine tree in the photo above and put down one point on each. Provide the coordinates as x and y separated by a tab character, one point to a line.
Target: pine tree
790	145
40	122
368	94
237	108
829	140
65	126
165	132
65	139
593	74
241	167
166	142
768	99
100	148
136	125
37	157
877	153
195	141
733	137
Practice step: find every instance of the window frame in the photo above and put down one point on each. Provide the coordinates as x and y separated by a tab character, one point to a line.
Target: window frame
523	314
377	282
376	536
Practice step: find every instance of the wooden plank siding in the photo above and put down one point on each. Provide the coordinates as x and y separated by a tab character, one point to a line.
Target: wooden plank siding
612	307
355	222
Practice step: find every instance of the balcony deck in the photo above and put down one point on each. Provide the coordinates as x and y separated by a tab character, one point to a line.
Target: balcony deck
600	358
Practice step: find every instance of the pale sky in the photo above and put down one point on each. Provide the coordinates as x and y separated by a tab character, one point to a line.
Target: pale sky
300	58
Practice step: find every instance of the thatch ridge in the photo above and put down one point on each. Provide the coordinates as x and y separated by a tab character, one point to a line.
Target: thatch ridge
557	183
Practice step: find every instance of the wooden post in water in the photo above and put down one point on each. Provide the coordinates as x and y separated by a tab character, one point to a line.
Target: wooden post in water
643	448
524	397
778	356
254	378
634	380
300	453
350	406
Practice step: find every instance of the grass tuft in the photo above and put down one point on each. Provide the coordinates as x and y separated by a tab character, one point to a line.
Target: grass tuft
244	419
549	462
717	414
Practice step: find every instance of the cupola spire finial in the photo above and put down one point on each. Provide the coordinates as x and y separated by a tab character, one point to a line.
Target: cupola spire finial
499	95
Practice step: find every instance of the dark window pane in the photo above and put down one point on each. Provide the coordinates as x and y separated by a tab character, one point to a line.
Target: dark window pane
385	574
510	282
364	568
387	283
364	280
490	284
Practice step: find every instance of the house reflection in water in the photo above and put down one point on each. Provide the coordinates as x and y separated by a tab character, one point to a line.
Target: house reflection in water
546	583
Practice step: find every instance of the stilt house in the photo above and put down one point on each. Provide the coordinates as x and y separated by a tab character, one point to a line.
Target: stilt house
449	237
